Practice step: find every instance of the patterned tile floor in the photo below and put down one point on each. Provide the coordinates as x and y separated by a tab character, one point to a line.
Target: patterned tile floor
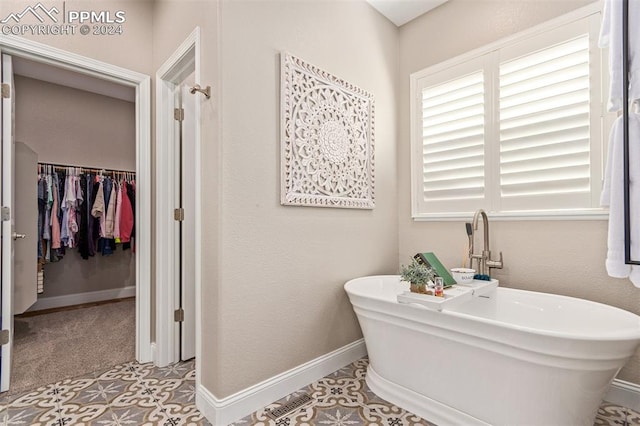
128	394
343	398
141	394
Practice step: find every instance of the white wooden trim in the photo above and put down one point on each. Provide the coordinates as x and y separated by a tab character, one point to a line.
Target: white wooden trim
227	410
80	298
166	330
7	196
39	52
143	220
29	49
596	214
625	394
198	208
165	265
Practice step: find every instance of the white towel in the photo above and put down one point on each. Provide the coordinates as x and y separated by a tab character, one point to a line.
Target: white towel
613	196
611	37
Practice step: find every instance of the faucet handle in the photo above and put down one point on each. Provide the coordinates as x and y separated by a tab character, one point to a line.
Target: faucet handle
497	264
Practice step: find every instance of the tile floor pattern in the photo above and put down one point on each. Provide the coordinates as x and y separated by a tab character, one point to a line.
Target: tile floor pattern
141	394
343	399
128	394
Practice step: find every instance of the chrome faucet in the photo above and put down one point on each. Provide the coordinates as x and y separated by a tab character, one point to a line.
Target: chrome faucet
484	261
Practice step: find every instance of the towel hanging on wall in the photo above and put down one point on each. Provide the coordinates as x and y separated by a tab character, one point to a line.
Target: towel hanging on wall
612	197
620	32
611	37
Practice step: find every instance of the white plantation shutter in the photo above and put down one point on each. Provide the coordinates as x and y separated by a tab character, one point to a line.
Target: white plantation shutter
453	112
514	129
545	128
453	139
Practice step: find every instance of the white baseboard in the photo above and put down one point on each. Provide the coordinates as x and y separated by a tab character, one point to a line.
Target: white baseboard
153	352
80	298
227	410
625	394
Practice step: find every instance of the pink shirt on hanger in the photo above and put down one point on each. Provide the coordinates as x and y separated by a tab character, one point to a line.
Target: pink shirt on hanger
126	216
55	223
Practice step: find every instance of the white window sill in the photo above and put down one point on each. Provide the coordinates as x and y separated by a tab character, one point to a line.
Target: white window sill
589	214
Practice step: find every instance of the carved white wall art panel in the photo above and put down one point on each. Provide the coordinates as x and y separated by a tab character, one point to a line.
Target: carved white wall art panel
327	129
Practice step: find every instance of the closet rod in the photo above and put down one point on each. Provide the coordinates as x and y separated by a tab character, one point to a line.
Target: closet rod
84	168
625	133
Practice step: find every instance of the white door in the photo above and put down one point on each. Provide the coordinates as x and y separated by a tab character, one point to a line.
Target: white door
185	184
188	225
8	222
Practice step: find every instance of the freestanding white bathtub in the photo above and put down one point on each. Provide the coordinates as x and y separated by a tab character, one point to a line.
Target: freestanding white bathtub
508	357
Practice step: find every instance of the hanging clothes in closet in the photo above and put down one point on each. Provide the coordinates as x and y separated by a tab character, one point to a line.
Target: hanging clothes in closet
85	209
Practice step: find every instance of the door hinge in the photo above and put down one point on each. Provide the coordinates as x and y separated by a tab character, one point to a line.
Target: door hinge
6	213
6	90
178	214
178	114
178	315
4	337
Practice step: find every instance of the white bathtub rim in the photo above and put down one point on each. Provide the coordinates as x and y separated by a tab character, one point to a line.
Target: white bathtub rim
628	337
418	404
621	335
626	334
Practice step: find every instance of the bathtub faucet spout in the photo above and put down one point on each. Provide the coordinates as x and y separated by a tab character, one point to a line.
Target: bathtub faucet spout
484	261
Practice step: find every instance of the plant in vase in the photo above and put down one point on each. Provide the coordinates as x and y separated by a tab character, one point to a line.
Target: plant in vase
418	275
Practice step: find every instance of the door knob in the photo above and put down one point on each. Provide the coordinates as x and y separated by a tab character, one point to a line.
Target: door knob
16	236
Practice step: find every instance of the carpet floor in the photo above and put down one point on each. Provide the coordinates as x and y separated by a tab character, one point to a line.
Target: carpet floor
56	346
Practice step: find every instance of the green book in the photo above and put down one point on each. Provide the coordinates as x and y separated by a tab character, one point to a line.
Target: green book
431	260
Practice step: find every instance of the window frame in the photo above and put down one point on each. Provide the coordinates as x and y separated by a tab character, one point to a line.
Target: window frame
490	56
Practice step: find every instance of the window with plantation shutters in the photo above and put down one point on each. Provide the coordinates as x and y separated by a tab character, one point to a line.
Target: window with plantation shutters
514	129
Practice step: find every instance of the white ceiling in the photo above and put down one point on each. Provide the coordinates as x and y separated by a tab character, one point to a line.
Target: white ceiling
402	11
68	78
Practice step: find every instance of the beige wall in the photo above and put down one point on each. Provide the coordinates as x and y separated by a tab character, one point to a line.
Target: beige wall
69	126
563	257
132	49
282	301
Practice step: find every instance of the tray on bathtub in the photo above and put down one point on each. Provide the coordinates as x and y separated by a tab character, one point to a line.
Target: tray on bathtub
480	286
452	295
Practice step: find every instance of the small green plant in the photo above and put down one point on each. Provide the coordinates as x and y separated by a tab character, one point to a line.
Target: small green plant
417	273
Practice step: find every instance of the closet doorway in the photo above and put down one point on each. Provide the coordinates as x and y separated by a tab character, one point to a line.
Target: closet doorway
94	72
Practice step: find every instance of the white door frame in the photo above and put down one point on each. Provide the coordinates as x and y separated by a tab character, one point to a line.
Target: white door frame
39	52
8	226
182	62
